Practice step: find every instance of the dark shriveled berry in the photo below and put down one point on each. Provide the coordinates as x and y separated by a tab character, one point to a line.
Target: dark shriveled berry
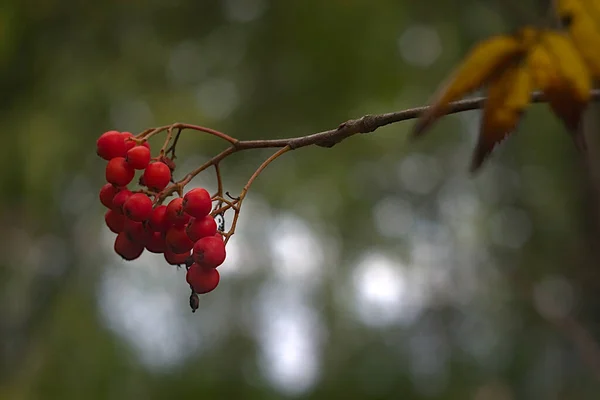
194	302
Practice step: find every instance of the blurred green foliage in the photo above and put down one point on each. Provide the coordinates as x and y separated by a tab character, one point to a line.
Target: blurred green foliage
460	327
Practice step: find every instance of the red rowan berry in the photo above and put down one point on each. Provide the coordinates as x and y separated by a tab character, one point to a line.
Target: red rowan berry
155	243
118	172
138	207
157	176
127	249
158	220
177	240
129	144
176	259
107	193
197	203
202	280
198	228
175	214
114	221
111	144
119	200
138	157
135	231
209	252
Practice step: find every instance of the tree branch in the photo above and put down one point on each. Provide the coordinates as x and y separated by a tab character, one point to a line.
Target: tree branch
370	123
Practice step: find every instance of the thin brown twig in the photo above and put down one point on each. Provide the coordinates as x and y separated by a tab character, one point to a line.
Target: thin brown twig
219	193
256	173
172	148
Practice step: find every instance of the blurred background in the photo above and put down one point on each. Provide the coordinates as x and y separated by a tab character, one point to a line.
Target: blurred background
377	269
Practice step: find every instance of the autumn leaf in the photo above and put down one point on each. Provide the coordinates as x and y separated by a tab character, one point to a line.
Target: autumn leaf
582	18
559	71
487	59
508	96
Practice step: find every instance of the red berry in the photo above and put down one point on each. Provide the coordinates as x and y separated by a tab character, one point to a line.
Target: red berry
177	240
158	220
197	203
138	207
127	249
129	144
119	200
157	176
202	280
175	214
114	221
107	193
198	228
138	157
118	172
176	259
209	252
135	231
111	144
155	243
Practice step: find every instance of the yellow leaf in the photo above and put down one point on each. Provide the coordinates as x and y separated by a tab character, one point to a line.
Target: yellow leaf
484	61
582	18
509	94
559	71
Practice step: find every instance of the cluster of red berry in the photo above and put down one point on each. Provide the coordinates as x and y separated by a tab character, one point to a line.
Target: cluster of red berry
183	231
